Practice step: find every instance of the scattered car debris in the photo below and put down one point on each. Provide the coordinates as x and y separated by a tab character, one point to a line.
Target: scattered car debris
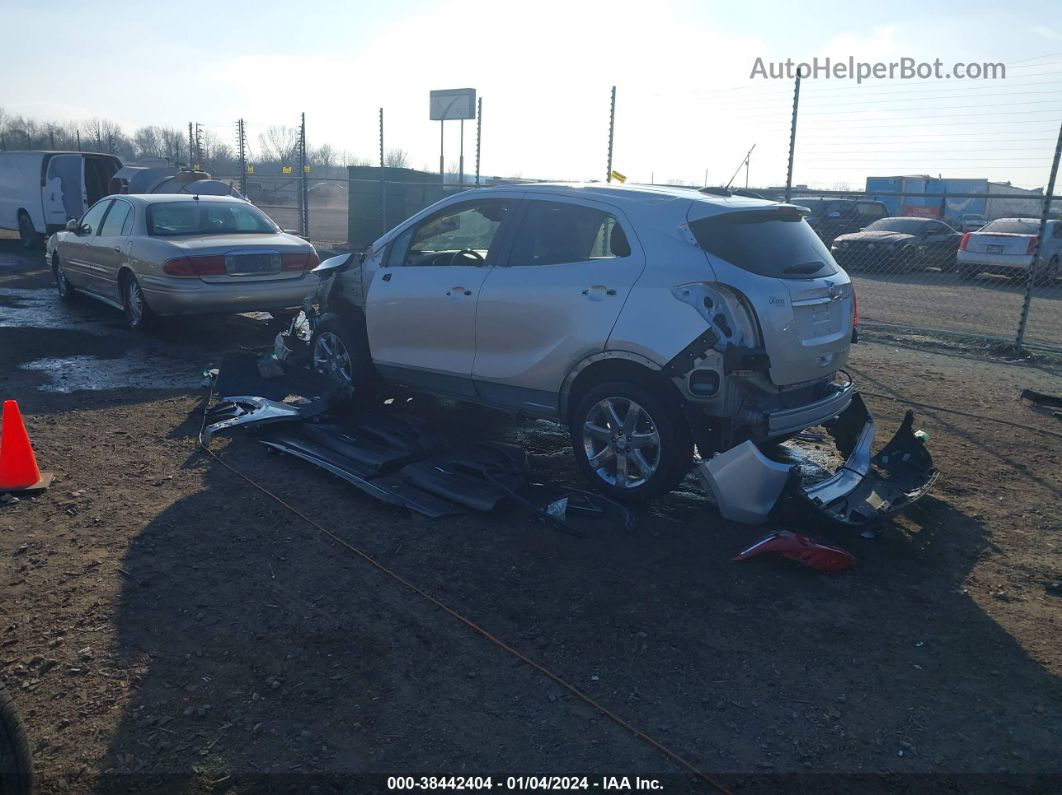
1041	399
749	487
244	410
803	549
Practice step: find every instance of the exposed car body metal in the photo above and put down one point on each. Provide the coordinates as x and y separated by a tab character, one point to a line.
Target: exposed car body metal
244	410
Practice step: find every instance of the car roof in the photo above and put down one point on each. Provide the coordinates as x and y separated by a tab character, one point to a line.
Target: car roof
158	198
632	194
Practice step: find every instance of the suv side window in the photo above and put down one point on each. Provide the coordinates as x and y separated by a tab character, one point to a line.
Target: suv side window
116	218
90	221
459	235
558	232
871	211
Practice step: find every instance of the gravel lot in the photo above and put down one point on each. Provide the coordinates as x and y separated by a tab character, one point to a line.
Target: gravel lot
166	625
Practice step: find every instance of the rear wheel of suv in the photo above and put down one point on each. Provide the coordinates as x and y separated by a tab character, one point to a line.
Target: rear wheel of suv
629	442
16	769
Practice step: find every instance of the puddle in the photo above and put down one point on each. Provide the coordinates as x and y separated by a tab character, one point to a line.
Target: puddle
135	370
41	308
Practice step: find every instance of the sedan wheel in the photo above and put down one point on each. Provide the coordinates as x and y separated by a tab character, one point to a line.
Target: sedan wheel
330	356
137	312
62	285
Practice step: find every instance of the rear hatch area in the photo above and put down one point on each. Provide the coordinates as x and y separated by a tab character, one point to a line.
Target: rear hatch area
802	299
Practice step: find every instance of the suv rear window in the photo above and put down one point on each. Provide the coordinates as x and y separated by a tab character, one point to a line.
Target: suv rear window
772	242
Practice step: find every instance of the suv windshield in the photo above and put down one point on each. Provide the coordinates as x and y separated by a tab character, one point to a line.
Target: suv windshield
772	242
1019	226
905	226
207	218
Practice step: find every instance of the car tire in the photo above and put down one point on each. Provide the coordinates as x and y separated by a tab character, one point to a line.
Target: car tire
16	767
138	315
27	234
603	430
1047	276
339	347
67	294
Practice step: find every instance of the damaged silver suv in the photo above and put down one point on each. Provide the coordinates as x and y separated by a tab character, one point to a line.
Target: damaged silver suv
648	319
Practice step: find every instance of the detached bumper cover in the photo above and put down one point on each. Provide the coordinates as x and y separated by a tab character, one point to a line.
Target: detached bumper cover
750	488
869	488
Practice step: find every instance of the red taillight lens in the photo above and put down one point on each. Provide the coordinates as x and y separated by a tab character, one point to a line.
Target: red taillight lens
855	307
195	266
1032	245
964	241
300	262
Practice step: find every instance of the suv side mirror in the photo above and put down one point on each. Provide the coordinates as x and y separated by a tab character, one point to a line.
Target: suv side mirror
72	226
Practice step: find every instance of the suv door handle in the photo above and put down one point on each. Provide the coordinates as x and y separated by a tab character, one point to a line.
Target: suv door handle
387	277
597	292
458	290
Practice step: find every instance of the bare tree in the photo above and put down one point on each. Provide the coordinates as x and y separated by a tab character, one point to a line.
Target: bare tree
148	142
396	158
279	144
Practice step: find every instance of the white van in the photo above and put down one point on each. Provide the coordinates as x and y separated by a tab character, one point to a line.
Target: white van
41	191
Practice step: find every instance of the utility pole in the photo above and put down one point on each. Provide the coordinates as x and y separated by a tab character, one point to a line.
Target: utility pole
1038	262
479	132
78	131
191	144
461	157
383	183
198	150
442	164
792	140
611	134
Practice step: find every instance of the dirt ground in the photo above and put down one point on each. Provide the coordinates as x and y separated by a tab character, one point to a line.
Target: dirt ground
165	625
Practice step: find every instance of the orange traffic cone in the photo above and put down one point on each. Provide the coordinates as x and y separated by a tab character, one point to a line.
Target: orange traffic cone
18	467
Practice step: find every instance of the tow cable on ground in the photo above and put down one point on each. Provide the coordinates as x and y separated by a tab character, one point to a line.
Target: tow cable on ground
469	623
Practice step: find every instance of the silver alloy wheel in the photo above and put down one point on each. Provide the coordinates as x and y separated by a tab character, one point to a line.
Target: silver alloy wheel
134	303
621	442
330	356
61	284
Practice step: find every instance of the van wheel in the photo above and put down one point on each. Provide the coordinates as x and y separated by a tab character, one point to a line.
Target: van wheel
67	293
628	442
26	233
138	314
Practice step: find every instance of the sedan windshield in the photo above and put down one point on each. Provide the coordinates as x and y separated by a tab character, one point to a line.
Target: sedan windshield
207	218
905	226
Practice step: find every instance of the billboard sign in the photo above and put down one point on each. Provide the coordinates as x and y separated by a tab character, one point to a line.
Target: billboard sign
453	103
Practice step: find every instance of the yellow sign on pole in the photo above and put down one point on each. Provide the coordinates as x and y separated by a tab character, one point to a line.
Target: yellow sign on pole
250	168
285	169
306	168
620	178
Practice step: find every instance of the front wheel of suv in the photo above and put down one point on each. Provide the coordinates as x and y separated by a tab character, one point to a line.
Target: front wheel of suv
629	442
339	348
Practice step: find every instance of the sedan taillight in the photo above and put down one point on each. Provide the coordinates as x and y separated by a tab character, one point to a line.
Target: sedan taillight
964	241
1033	242
195	266
300	261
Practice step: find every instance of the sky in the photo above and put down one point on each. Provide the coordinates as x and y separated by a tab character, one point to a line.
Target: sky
687	109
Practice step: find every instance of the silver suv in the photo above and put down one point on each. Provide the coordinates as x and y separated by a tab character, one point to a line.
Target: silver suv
648	319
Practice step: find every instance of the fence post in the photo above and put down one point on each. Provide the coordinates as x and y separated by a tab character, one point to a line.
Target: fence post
243	157
1034	268
611	132
479	132
383	183
792	140
304	203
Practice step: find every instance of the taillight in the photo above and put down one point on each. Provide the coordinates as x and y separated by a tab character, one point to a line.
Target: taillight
1032	245
300	261
964	241
195	266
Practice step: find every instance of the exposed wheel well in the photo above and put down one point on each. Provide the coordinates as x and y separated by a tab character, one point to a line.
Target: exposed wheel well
124	275
619	370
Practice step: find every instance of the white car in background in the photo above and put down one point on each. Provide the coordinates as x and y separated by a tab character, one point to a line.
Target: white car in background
1008	246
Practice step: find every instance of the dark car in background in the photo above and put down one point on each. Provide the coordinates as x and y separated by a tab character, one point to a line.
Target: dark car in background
831	217
899	244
